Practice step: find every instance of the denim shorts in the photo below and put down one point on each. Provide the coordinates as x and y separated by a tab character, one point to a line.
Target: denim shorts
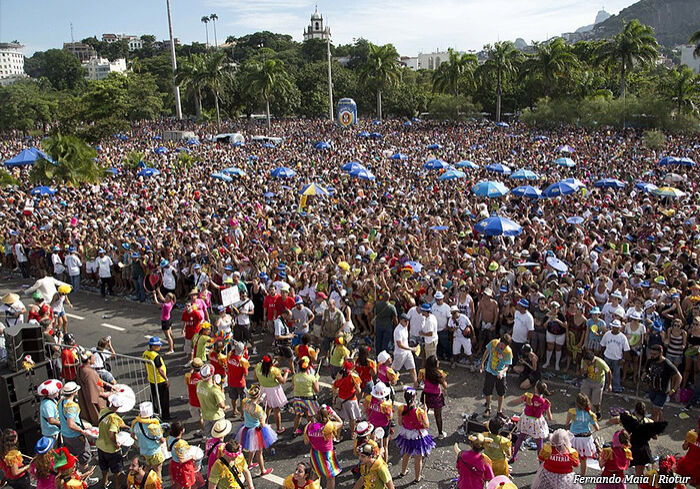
658	398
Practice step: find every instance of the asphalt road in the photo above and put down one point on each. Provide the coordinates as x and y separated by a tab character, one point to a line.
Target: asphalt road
130	324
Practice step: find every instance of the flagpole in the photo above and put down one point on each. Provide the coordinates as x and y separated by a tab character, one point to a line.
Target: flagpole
173	60
330	78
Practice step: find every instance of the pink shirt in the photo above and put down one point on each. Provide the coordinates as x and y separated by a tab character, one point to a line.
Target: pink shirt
316	438
410	421
473	470
165	309
48	482
375	414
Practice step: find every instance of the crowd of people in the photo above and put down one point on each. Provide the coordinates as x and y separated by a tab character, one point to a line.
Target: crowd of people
376	280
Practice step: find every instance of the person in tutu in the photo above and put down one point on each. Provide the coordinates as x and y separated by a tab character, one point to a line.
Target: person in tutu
184	474
319	435
689	464
271	380
254	434
305	390
473	466
301	479
615	460
582	422
434	391
533	423
500	449
559	460
380	412
414	439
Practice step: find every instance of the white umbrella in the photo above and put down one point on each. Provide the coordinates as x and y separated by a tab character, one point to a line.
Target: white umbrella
557	264
673	178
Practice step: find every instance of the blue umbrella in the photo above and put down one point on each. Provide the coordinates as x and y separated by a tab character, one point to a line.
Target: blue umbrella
609	183
43	190
565	149
686	162
489	189
417	267
524	174
559	188
237	144
362	173
498	226
141	164
452	175
157	138
193	142
667	160
407	123
123	137
283	172
233	171
160	150
574	220
645	187
575	182
435	164
541	138
435	146
269	195
466	164
527	191
268	145
567	162
398	156
148	172
502	124
27	157
113	171
182	150
253	158
498	168
376	123
322	145
353	165
363	134
221	176
439	228
98	148
376	135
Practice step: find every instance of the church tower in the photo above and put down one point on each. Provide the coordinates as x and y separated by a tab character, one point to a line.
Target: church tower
315	29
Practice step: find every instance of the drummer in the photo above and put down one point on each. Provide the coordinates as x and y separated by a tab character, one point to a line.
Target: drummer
72	429
48	409
109	455
149	435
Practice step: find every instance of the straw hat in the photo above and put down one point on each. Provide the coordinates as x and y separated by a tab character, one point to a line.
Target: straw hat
9	299
221	428
254	392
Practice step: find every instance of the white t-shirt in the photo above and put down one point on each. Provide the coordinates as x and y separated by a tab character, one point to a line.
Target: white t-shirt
609	311
58	267
101	356
103	263
442	315
430	326
615	345
635	337
400	334
522	324
73	265
415	321
244	309
169	277
459	325
19	253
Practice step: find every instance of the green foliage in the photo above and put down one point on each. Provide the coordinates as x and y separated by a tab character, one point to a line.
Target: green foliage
7	180
695	39
133	158
458	69
451	107
681	86
74	162
267	80
183	161
381	70
654	140
25	106
63	70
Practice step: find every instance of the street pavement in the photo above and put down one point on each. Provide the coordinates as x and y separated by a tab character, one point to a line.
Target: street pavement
130	324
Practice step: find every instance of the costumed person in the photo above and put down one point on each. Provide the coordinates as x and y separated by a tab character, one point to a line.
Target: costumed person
67	475
533	423
192	378
254	435
49	418
304	349
339	353
641	430
374	472
305	390
666	469
319	435
11	464
364	433
473	466
689	464
380	412
346	392
500	449
149	434
614	461
141	476
271	380
230	469
413	437
214	445
582	422
109	454
385	372
434	390
558	463
41	467
301	479
366	368
237	372
184	473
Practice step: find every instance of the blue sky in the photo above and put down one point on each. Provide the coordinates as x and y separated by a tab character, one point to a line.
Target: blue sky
412	25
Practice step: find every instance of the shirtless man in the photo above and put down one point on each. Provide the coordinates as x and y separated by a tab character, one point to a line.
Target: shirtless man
487	314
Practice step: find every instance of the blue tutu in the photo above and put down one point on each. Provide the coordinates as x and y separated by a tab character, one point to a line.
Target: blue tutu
253	439
414	442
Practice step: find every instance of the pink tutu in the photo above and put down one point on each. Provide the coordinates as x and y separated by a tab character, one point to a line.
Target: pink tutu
274	397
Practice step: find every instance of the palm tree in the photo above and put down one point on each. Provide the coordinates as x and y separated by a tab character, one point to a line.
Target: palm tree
7	180
448	75
215	70
681	87
381	70
214	18
190	76
550	61
503	59
205	21
73	162
636	44
695	39
266	77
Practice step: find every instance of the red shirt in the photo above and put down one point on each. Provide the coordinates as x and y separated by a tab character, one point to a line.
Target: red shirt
365	372
237	370
69	372
346	386
559	463
283	304
218	363
192	381
268	306
192	321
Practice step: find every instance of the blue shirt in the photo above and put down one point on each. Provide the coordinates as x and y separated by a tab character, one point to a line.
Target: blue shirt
497	362
148	436
47	410
582	423
69	410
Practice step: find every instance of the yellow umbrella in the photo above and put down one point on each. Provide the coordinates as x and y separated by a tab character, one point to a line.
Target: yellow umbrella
668	192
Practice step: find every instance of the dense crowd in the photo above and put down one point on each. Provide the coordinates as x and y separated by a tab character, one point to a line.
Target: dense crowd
380	277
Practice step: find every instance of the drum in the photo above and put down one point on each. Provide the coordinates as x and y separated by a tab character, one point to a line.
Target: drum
92	433
164	450
125	441
129	397
197	455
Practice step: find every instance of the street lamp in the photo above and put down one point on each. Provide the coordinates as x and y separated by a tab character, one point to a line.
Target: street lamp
173	60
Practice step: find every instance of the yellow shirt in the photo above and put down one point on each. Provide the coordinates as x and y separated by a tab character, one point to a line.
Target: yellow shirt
111	423
152	481
289	483
223	477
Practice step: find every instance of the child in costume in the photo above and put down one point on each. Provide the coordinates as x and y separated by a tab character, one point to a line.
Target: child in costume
434	390
689	464
183	471
254	435
301	479
582	424
533	423
414	439
42	467
615	460
380	412
305	390
319	435
558	463
500	449
474	467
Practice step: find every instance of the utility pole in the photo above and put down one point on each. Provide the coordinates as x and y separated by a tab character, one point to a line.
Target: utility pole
330	78
72	40
173	59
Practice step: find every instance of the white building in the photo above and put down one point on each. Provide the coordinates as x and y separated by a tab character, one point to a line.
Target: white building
687	57
11	62
135	42
100	68
426	61
315	29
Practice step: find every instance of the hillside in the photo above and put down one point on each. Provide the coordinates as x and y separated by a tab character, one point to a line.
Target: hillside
674	21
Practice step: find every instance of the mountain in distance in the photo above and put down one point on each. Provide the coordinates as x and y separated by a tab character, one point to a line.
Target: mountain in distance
600	17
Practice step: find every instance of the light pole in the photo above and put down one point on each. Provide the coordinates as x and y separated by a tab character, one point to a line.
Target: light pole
173	59
330	78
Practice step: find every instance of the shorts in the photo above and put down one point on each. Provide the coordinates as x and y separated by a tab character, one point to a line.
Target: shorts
349	410
460	343
658	398
430	349
166	324
486	335
492	381
188	346
557	339
236	393
403	361
195	412
112	461
59	314
284	351
155	460
594	391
